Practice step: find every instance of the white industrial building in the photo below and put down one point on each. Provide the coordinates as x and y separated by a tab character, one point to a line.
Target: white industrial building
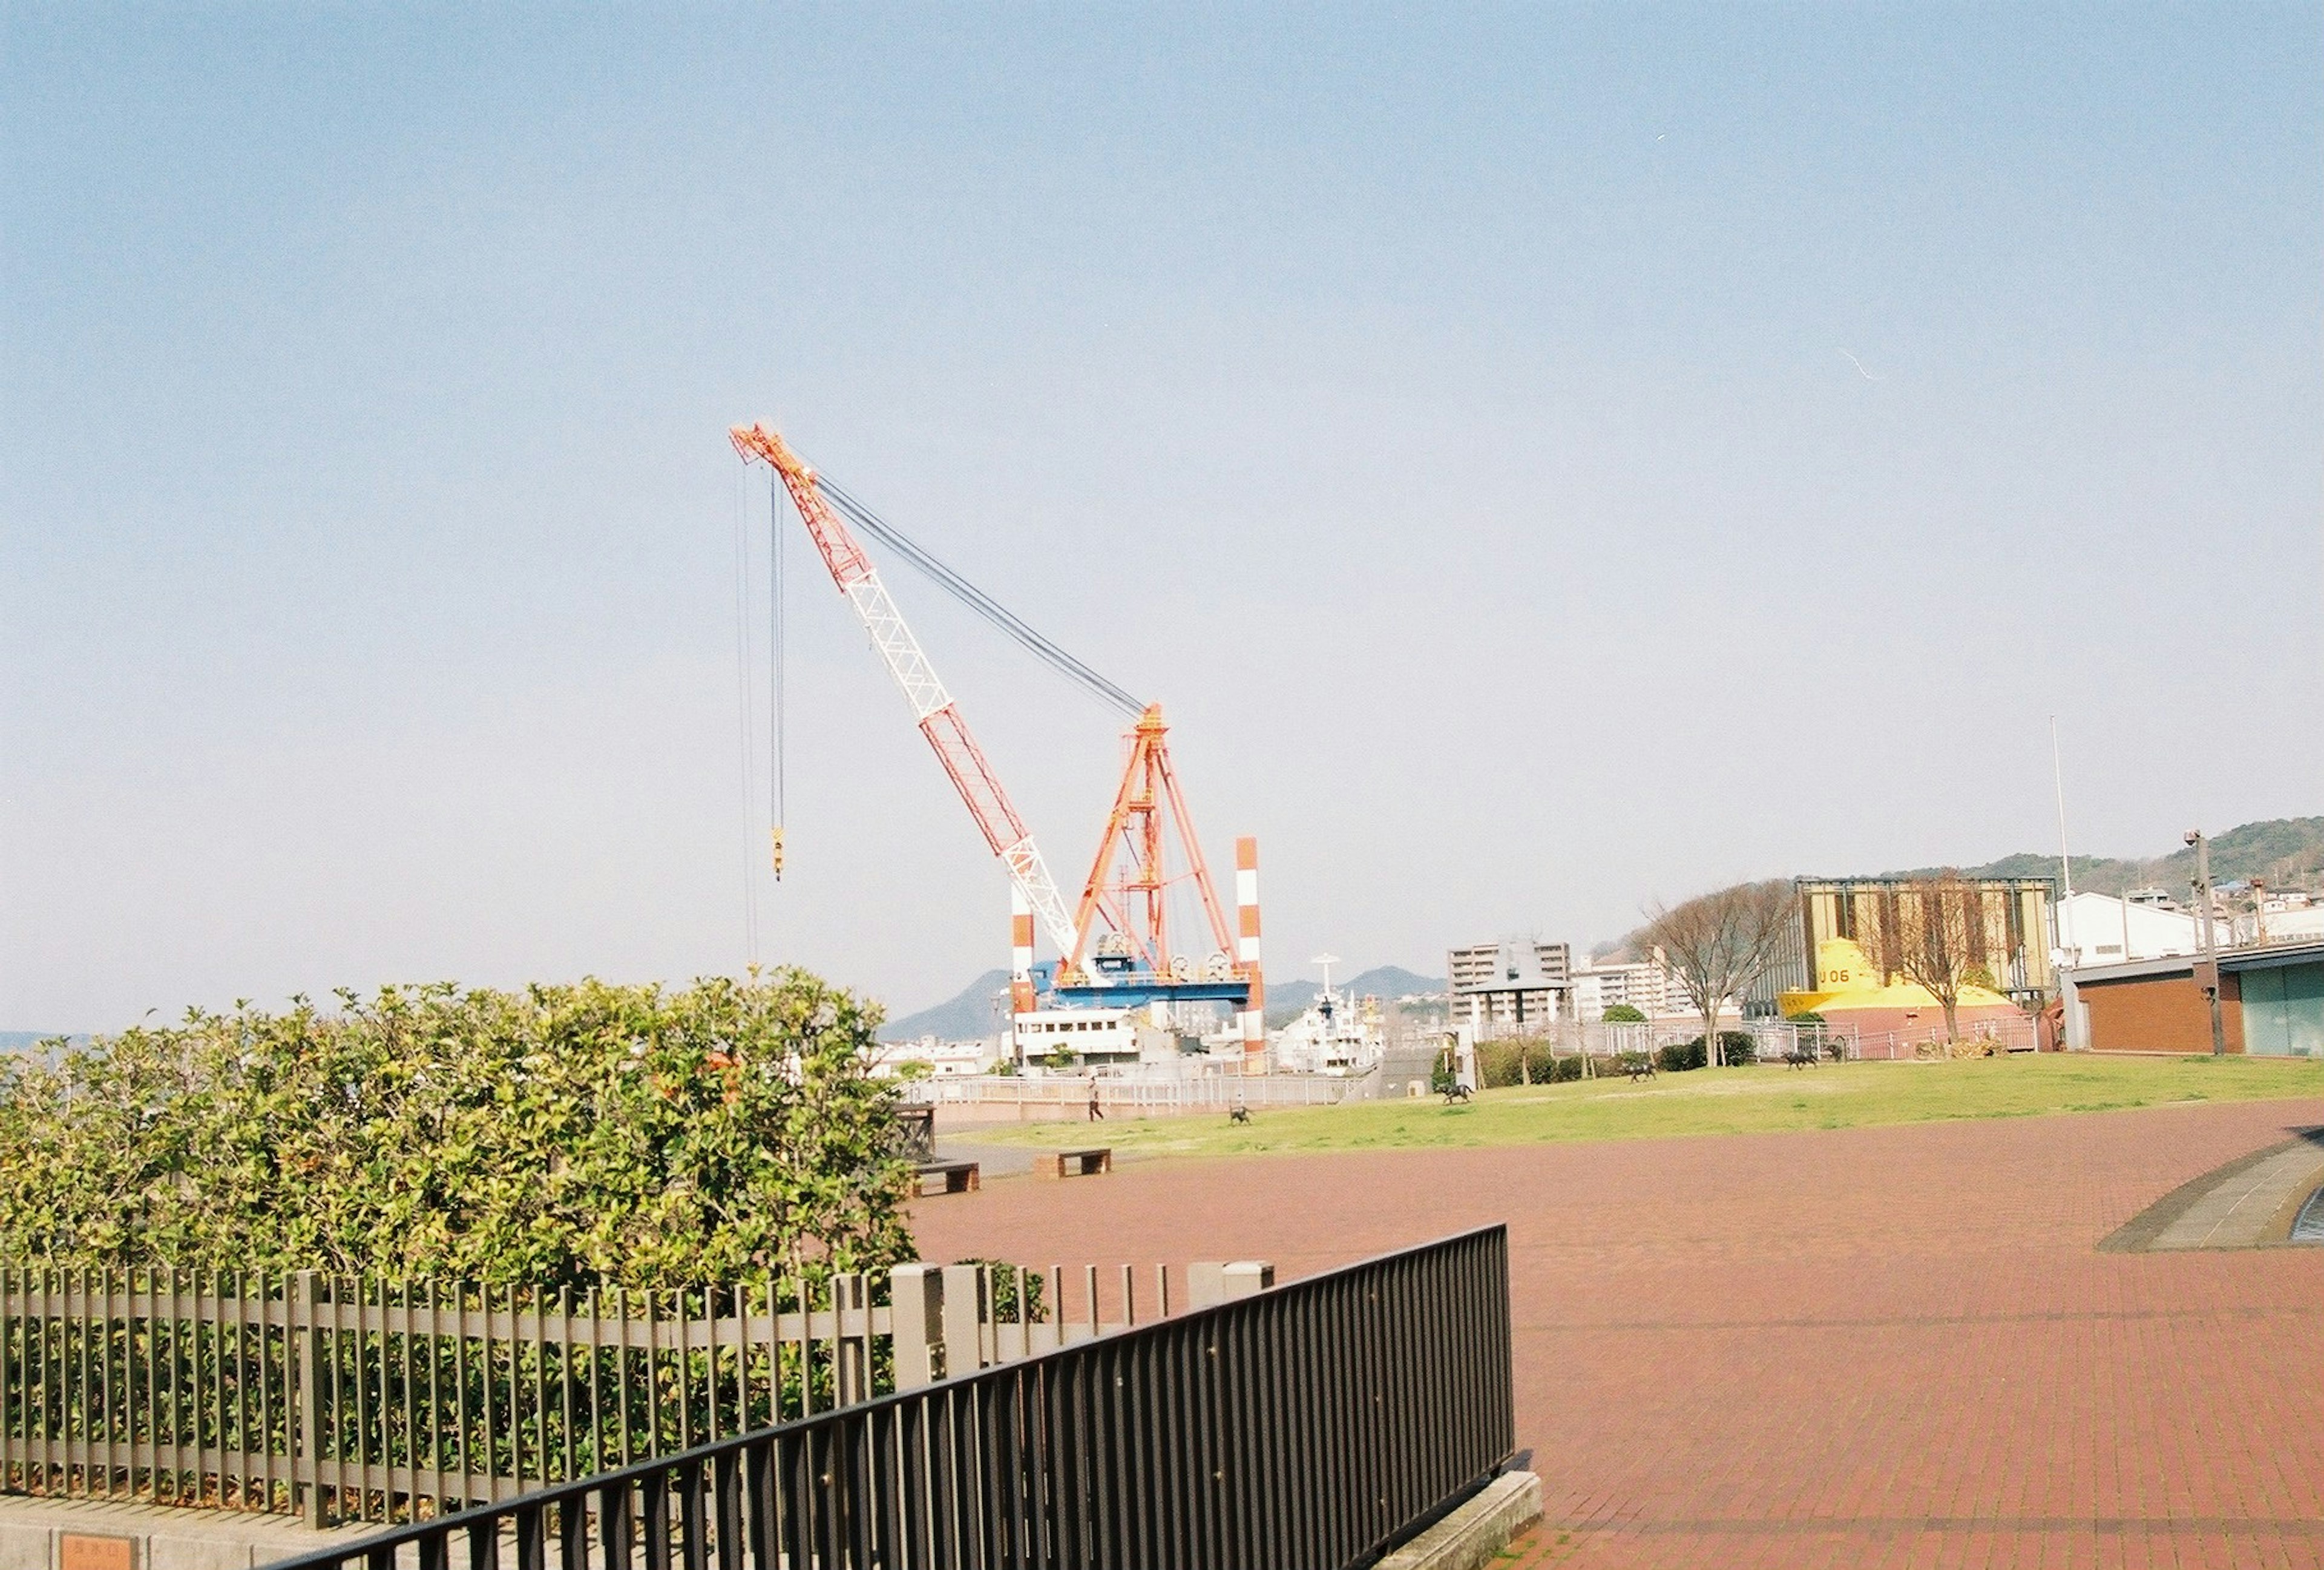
945	1059
2101	929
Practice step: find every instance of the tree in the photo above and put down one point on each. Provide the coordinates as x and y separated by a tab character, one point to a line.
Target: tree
725	1131
1720	943
1929	932
1624	1014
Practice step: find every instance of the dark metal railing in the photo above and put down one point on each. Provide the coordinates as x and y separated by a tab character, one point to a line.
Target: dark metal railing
1314	1425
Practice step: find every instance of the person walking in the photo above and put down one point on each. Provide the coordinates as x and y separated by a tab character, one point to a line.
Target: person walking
1097	1113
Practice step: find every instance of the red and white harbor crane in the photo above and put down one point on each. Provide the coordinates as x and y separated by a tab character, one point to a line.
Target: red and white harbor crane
1116	943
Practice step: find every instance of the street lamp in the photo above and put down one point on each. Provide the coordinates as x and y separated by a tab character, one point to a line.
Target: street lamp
2207	961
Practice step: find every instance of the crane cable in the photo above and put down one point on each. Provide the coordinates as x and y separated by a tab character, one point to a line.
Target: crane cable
922	561
983	604
742	699
775	674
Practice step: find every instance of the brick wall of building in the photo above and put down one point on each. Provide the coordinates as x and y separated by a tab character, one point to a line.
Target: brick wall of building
2165	1013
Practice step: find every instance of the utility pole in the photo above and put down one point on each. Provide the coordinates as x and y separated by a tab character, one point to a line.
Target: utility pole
2207	945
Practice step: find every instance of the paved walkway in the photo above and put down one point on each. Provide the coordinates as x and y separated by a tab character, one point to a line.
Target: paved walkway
1892	1346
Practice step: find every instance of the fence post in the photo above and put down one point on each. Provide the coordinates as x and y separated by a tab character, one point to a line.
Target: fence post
915	1300
306	1444
1206	1286
1247	1277
1210	1283
851	1378
962	1313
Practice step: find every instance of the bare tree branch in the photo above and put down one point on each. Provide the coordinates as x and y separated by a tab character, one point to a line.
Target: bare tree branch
1720	943
1929	932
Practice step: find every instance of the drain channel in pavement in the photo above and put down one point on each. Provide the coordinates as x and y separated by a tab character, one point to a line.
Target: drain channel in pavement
2309	1227
2262	1200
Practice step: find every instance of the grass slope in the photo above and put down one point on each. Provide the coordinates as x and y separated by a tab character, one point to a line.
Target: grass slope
1712	1102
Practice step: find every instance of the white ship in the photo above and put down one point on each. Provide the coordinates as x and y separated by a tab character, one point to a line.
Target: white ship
1337	1034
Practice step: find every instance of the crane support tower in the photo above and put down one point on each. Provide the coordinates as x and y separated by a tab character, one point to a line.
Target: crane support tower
1115	947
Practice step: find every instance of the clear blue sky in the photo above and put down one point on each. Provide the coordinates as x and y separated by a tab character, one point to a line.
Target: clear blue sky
1444	414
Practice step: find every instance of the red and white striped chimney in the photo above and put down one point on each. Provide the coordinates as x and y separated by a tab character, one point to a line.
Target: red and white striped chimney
1021	950
1254	1011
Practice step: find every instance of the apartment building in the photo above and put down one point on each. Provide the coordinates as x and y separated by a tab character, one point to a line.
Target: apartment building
1511	986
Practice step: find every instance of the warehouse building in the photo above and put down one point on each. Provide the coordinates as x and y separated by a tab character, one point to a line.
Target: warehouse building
2271	1003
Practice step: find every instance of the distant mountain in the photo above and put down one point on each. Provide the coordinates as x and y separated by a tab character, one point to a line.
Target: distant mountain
969	1014
2286	852
25	1041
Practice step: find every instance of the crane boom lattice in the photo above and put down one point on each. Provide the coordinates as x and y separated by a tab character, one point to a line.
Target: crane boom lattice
933	709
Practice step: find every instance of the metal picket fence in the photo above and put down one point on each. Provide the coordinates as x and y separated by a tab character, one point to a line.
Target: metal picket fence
375	1399
273	1392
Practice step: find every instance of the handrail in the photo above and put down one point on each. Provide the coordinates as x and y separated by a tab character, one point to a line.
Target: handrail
1312	1425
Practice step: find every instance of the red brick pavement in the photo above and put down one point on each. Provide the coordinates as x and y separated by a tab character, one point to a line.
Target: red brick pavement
1883	1347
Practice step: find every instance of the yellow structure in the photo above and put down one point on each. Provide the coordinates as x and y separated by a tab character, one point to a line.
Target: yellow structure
1848	983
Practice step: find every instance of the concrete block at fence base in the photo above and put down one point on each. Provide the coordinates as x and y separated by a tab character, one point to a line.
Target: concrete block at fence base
51	1534
97	1551
26	1547
1248	1277
1210	1283
1476	1532
167	1553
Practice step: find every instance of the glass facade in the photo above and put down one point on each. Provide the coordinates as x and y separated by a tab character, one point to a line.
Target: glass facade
2283	1010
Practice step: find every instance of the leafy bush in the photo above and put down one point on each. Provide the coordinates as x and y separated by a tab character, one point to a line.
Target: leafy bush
1002	1281
1739	1045
1513	1060
1565	1068
725	1131
1625	1014
1678	1056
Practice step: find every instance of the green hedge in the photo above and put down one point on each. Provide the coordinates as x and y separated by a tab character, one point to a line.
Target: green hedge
562	1135
1738	1046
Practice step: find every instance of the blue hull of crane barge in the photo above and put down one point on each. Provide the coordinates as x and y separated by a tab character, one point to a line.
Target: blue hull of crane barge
1130	992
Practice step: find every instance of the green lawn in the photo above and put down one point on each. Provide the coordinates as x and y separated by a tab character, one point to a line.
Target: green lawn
1708	1102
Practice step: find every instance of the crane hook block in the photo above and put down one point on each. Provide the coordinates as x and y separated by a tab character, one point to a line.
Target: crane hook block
776	836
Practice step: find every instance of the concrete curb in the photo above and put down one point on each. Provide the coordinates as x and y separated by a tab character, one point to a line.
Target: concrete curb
1481	1528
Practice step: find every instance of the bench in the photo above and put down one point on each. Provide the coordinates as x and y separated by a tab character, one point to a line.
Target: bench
1086	1163
959	1176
